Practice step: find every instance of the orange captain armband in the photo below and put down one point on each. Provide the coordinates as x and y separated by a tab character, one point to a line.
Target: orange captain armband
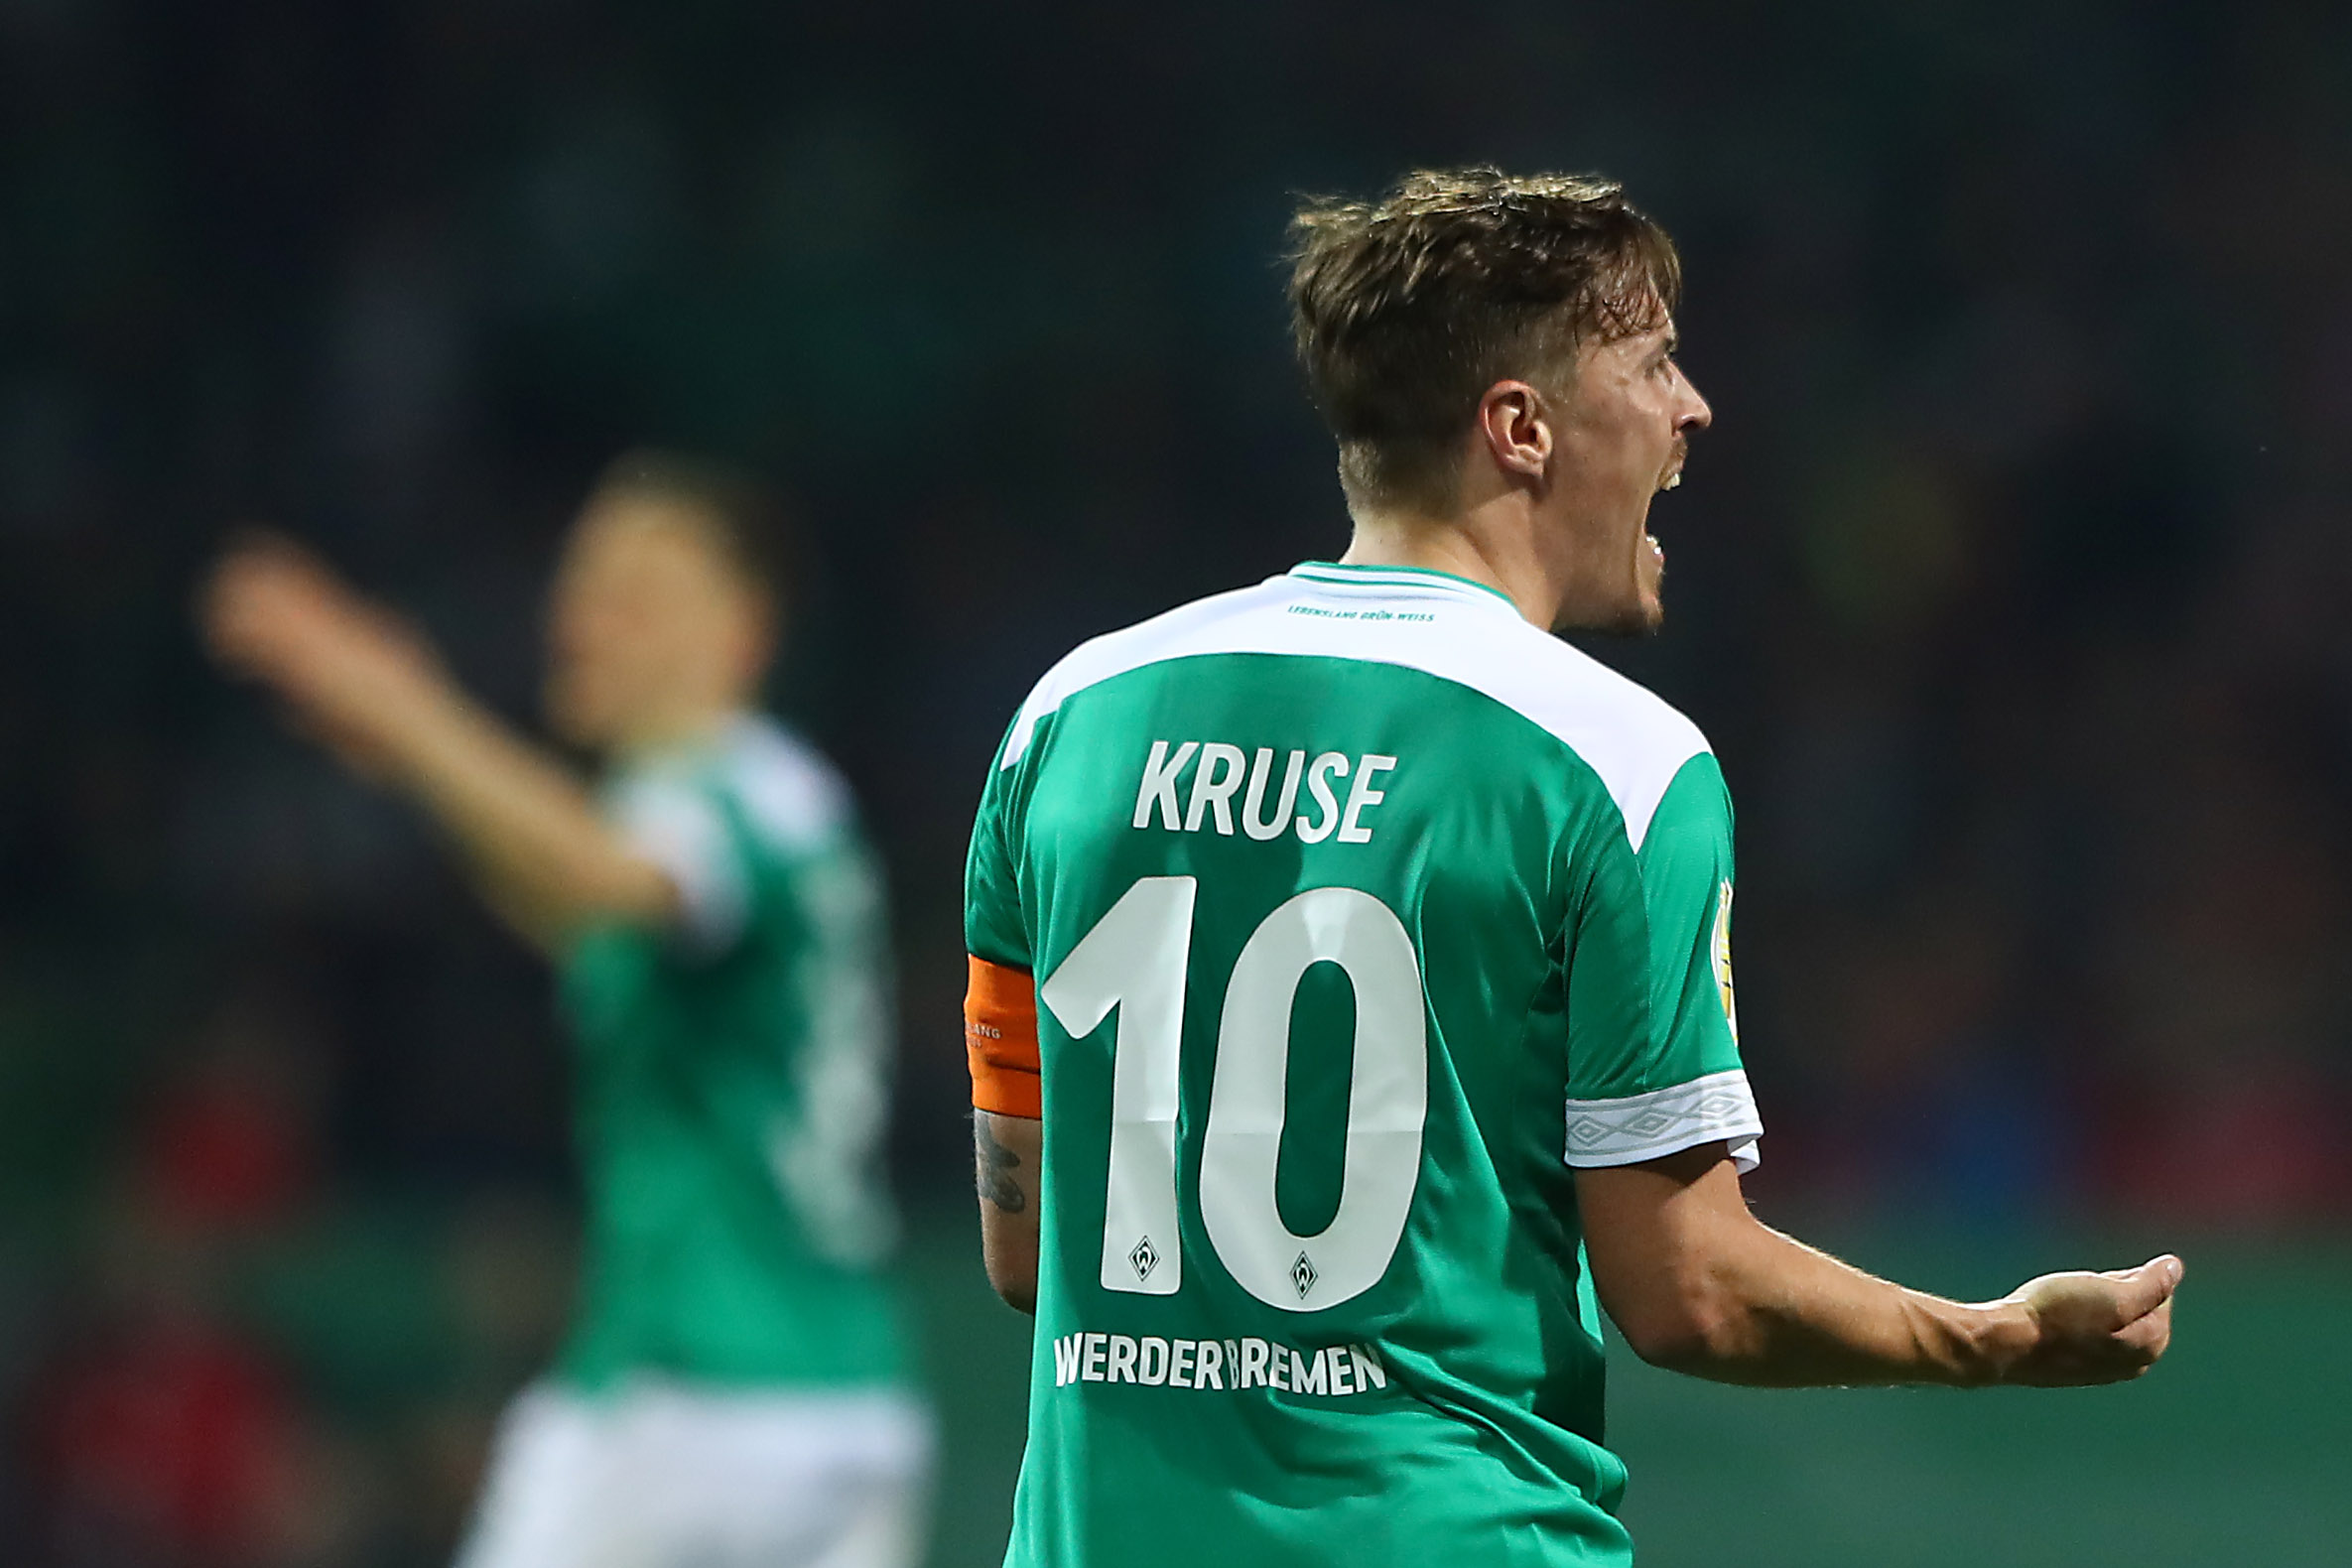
1001	1040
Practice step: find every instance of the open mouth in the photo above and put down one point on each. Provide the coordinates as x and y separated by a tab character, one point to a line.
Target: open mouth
1672	477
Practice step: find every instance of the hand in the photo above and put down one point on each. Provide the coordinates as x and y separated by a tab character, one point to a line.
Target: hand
2085	1327
354	674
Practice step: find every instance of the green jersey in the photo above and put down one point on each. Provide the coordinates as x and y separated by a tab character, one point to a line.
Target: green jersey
1361	911
732	1083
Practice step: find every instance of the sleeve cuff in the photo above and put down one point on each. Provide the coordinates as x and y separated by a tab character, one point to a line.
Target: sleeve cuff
1637	1128
685	835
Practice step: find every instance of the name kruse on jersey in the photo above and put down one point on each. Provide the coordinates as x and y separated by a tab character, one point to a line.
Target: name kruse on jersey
1221	771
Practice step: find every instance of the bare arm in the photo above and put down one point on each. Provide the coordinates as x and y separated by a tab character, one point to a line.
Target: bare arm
366	687
1698	1285
542	855
1007	1154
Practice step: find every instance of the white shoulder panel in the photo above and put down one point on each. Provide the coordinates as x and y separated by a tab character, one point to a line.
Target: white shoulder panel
679	828
1632	737
791	794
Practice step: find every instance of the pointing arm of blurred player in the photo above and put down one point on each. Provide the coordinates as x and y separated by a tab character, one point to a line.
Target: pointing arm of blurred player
1698	1285
363	684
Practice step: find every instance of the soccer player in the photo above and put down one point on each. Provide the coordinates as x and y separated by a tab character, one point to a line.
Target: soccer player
1351	996
735	1388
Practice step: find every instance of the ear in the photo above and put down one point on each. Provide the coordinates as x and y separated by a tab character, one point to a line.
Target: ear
1517	429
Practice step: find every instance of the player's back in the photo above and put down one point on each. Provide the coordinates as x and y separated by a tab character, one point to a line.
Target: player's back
734	1081
1333	892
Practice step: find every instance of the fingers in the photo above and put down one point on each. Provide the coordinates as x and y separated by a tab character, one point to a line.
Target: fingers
2142	1290
2149	1336
269	607
267	549
2065	1363
276	575
2100	1328
2081	1305
242	602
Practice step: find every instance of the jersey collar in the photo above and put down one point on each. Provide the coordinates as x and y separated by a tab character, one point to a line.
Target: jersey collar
1391	580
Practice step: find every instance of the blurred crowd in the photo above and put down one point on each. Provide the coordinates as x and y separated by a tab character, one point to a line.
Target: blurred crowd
2011	587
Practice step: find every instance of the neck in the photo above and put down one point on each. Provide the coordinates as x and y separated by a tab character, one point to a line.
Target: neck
672	728
1492	542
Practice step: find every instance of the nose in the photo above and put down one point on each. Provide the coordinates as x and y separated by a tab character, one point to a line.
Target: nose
1695	415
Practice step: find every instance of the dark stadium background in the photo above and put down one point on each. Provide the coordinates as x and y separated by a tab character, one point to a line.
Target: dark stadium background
2013	585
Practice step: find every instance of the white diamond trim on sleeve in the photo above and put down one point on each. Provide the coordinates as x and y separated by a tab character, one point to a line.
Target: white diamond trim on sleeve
1667	1121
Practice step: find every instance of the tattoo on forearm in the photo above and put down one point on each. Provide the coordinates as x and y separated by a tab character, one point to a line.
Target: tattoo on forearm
995	1164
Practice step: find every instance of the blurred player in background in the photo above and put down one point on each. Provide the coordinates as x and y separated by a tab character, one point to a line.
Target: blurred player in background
1351	974
735	1388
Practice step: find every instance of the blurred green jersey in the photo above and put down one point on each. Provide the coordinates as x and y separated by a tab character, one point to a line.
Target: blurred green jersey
732	1084
1361	911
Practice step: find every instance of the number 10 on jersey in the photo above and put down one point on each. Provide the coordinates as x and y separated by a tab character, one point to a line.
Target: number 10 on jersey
1136	959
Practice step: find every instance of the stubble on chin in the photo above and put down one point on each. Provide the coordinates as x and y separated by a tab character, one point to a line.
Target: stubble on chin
1647	612
1641	617
1639	620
